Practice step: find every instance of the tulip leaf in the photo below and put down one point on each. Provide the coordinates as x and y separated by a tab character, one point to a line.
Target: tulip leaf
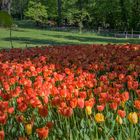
82	123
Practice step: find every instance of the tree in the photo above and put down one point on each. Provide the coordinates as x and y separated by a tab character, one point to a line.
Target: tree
75	12
52	9
37	12
5	5
135	14
77	17
111	14
18	8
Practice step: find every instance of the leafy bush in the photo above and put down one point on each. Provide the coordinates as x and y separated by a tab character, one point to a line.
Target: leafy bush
7	22
37	12
5	19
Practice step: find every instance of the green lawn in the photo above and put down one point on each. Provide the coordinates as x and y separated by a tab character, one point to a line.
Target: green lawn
34	37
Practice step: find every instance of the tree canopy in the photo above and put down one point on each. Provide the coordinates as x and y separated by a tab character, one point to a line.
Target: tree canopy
112	14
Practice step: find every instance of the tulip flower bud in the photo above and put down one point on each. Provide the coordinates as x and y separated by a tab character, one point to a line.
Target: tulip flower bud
119	120
123	104
88	110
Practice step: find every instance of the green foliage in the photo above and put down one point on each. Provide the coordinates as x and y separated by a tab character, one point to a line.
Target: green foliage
52	9
111	14
5	19
135	11
76	13
37	12
78	17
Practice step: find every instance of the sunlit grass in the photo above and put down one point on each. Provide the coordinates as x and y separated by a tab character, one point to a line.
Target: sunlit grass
34	37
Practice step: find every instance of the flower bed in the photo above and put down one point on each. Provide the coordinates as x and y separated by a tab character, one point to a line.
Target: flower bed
70	92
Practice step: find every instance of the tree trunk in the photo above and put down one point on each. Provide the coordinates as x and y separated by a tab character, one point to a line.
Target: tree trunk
21	10
59	12
11	42
123	13
0	5
5	5
80	4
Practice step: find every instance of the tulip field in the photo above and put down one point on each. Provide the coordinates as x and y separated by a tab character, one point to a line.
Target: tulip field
79	92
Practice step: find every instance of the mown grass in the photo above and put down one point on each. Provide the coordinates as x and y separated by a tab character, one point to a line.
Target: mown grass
28	36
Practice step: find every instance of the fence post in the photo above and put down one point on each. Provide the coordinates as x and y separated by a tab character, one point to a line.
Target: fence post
99	30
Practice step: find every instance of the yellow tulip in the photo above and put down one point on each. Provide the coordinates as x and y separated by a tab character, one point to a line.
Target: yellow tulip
133	117
28	129
88	110
119	120
99	118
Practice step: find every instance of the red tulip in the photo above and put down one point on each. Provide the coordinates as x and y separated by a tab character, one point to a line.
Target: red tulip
11	110
42	132
80	103
100	107
137	104
73	102
121	113
125	96
43	111
113	106
49	125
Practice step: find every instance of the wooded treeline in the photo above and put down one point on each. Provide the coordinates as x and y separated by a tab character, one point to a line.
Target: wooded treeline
111	14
